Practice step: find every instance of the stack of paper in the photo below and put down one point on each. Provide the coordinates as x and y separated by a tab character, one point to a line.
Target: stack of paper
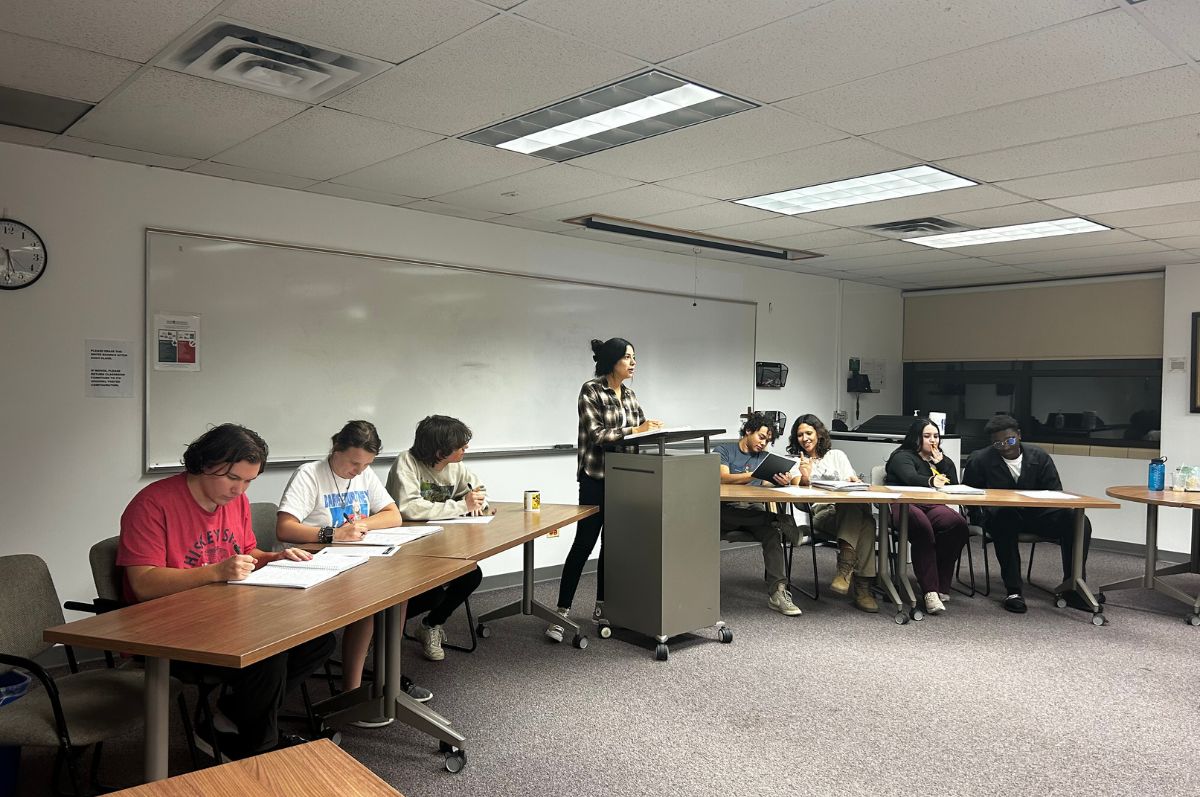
469	519
840	486
962	489
300	575
396	535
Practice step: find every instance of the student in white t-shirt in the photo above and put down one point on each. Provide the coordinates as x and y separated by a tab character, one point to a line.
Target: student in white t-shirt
340	499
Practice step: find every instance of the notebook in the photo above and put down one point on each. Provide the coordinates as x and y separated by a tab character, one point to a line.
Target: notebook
300	575
395	535
773	464
840	486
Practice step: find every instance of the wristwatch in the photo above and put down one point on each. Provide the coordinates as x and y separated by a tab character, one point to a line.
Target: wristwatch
325	535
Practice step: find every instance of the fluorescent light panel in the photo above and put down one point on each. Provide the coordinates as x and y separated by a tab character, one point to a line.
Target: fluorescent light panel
1014	232
633	109
858	190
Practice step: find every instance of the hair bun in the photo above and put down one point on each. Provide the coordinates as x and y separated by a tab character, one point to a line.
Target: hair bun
597	344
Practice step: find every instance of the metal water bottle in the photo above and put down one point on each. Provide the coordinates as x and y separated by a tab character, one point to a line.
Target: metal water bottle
1158	474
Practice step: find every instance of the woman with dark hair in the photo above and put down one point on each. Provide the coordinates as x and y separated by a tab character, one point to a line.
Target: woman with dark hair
937	532
852	524
339	499
608	411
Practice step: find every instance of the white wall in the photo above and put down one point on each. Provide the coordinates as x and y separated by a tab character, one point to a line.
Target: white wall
72	463
1180	429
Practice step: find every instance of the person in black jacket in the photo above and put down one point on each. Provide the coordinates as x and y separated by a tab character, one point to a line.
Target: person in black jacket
1009	464
937	532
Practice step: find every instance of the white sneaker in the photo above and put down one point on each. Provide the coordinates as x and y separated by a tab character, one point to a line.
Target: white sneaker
556	632
933	604
431	638
781	601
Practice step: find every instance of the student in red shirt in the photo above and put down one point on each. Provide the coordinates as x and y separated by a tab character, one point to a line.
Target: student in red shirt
193	529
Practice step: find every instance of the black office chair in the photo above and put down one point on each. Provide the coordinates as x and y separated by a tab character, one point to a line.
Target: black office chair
803	536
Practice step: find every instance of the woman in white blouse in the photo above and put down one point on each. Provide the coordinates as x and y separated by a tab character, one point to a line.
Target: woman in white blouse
852	524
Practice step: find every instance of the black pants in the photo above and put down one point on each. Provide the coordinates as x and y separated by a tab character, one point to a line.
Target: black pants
441	601
253	695
591	493
1058	524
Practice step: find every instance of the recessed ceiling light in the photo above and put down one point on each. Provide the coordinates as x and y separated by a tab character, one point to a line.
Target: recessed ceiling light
1014	232
858	190
633	109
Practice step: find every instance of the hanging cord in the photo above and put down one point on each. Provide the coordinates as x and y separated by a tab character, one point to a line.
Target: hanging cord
696	271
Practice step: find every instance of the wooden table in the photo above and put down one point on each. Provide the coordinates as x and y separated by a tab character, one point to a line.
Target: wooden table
511	526
235	626
898	495
316	769
1153	577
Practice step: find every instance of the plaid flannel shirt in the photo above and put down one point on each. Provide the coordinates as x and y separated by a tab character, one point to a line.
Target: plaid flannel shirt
601	424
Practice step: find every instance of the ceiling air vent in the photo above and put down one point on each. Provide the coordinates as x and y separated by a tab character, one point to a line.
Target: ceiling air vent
909	228
255	59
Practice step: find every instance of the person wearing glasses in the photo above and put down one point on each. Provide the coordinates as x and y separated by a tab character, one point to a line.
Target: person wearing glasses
937	532
1010	464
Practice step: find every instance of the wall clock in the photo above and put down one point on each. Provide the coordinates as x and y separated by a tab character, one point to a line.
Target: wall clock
22	255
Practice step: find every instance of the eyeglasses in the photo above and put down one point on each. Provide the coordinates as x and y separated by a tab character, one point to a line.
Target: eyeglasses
1005	443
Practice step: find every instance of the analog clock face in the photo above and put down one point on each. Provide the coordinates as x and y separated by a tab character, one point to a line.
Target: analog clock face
22	255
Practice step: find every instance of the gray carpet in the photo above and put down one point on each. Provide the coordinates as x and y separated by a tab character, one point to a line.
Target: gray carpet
973	702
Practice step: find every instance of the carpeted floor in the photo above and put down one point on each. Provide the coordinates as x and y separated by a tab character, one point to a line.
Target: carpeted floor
973	702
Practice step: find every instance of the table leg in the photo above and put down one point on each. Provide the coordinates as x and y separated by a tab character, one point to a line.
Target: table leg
158	711
527	605
399	705
1076	582
1146	580
884	564
902	559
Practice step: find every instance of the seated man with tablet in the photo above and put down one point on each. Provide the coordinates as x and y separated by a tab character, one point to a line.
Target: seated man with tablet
740	464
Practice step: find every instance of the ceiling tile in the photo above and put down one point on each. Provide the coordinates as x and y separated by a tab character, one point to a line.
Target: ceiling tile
955	265
1089	50
778	227
1153	259
661	29
1144	217
912	207
322	143
360	194
1131	198
731	139
1093	239
496	70
549	185
1022	213
531	224
876	262
1151	171
503	3
706	217
1081	253
176	114
131	29
1099	271
249	175
821	240
391	30
1155	139
1177	229
843	41
442	209
986	275
23	135
1179	20
837	160
78	145
442	167
47	68
629	203
1187	242
1142	98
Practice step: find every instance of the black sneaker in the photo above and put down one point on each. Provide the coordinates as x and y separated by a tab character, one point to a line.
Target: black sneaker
228	743
417	693
291	740
1015	604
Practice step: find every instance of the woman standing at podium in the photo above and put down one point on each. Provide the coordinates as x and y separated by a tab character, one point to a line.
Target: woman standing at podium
608	411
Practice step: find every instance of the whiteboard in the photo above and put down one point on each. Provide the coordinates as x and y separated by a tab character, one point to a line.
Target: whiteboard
294	342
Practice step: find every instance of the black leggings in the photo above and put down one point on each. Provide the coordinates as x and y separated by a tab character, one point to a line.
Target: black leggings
591	493
441	601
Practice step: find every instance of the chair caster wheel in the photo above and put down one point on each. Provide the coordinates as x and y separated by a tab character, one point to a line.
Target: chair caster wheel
483	631
1060	602
580	641
661	652
725	635
1099	619
901	618
604	631
1193	619
455	759
917	614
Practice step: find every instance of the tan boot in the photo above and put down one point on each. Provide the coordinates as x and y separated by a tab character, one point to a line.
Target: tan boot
845	567
863	599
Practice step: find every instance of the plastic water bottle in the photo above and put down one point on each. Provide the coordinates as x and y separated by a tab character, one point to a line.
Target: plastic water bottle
1158	474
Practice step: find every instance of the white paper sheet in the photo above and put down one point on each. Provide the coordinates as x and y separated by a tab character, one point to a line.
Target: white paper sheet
460	520
1051	494
357	550
396	535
